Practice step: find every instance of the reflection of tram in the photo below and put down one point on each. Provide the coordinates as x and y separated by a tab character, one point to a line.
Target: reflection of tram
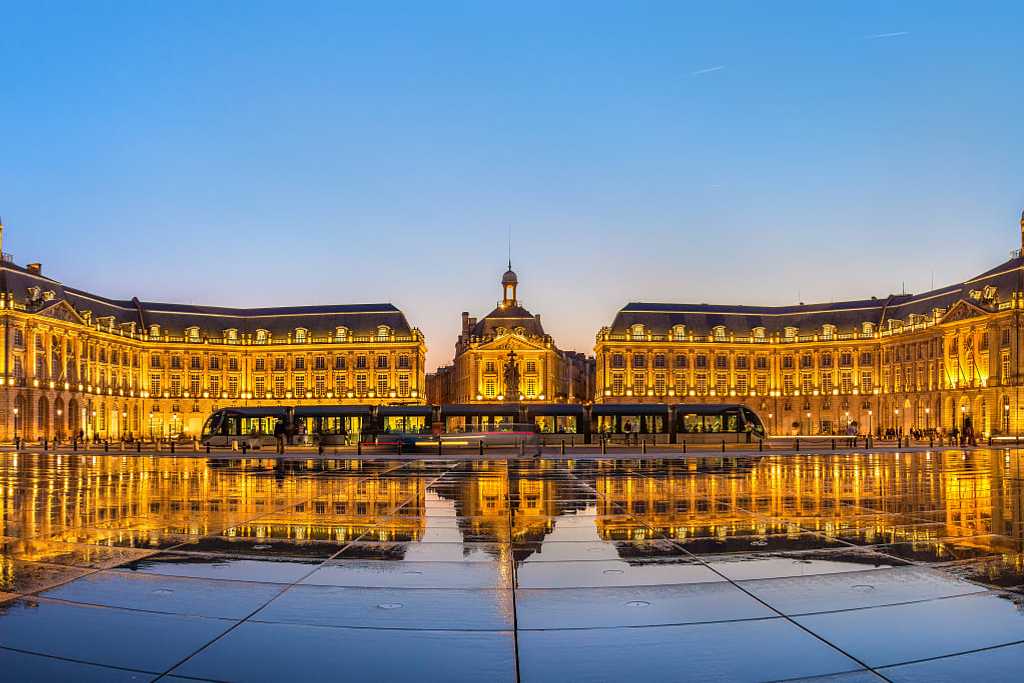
492	423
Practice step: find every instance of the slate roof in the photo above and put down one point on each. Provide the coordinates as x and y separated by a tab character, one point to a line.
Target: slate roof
360	319
509	318
847	316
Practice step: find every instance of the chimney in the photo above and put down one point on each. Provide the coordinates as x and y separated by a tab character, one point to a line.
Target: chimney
35	268
465	322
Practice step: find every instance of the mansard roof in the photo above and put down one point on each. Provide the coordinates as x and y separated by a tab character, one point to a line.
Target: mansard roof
847	316
509	318
174	319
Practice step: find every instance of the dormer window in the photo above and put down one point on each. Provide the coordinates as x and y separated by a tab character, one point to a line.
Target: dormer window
192	333
106	323
154	331
637	332
718	331
33	293
383	332
989	293
301	334
679	333
828	331
758	332
231	334
262	336
791	332
49	295
498	331
341	334
867	328
521	331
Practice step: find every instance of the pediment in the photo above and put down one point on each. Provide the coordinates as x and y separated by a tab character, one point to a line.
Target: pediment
962	310
512	342
61	310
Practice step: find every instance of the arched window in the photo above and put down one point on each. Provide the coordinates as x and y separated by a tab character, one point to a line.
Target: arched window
867	328
231	334
262	336
758	332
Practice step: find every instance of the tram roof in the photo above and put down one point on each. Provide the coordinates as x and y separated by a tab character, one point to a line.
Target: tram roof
331	411
404	410
556	409
630	409
266	411
465	409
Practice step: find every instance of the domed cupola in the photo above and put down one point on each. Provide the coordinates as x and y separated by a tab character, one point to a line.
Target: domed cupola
509	282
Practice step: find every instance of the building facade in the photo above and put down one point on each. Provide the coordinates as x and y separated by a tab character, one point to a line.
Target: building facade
75	362
506	356
926	361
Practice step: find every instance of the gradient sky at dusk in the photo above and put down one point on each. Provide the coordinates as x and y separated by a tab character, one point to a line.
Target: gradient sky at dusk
241	154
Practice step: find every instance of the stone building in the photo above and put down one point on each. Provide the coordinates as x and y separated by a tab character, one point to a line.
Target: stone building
506	356
75	361
900	362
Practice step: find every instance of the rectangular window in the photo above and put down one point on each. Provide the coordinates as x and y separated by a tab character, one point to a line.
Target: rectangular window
682	361
742	362
826	383
259	384
279	363
403	385
319	386
617	384
320	363
233	364
215	363
762	385
175	385
761	363
680	383
639	387
787	383
531	366
403	362
702	384
339	383
722	362
618	360
846	382
279	386
360	362
701	362
194	385
361	383
195	363
382	385
299	363
865	383
721	384
639	360
233	386
806	384
489	388
659	384
1004	362
300	385
382	362
659	360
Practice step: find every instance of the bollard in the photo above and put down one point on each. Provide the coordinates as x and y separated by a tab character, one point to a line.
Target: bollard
684	445
480	447
138	447
604	446
562	451
172	446
643	446
931	441
106	446
46	445
399	447
723	445
989	439
796	445
74	444
760	445
245	447
320	447
833	444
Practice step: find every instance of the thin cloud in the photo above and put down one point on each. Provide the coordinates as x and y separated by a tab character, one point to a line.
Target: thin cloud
706	71
894	34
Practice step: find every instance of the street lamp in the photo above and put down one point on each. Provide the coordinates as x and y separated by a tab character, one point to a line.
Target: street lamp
60	424
15	425
870	413
927	419
897	422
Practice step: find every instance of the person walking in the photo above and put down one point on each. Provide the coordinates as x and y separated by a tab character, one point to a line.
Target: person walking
279	436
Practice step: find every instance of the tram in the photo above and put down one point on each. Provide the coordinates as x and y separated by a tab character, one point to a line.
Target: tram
499	424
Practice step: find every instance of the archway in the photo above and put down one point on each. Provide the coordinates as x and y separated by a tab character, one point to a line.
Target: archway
59	418
74	418
19	417
43	418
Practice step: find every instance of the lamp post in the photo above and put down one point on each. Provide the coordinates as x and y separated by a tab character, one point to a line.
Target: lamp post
870	413
927	419
15	424
60	424
1006	418
897	422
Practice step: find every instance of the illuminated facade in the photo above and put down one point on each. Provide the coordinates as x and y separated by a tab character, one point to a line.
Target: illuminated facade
75	361
507	356
904	361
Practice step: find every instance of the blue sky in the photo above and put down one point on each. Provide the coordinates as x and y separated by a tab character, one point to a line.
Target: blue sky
277	153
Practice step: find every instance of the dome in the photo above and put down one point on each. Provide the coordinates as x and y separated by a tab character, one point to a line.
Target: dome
509	278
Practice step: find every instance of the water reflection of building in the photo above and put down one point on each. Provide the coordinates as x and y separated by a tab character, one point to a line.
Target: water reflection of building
876	499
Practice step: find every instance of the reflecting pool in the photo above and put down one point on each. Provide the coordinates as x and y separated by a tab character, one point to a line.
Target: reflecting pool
863	566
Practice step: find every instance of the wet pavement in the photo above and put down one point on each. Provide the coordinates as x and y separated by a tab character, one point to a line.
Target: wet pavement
847	567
